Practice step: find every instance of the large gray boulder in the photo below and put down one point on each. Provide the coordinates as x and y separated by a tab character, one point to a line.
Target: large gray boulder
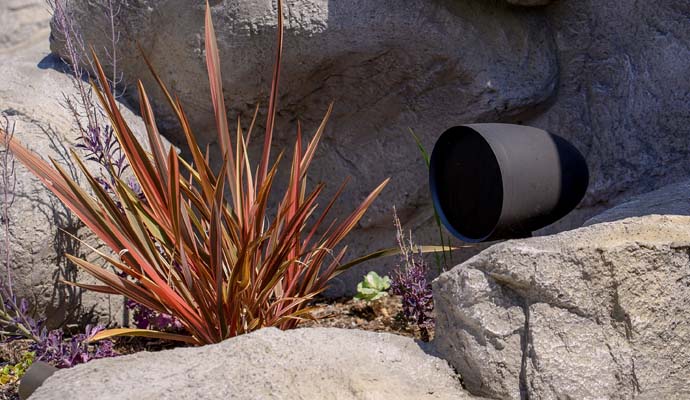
427	65
598	312
42	230
312	363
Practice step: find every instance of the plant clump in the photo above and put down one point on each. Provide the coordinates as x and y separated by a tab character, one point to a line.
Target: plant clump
221	265
145	318
53	348
411	284
373	287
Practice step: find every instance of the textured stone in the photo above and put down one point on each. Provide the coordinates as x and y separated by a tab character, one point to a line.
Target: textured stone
623	94
529	3
427	66
40	226
22	22
318	363
672	199
598	312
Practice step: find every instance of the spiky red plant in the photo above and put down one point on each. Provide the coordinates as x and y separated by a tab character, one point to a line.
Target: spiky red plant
223	267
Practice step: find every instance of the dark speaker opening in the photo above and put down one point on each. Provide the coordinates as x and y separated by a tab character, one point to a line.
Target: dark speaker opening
466	184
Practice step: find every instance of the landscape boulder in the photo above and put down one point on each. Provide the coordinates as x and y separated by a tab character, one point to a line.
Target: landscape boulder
310	363
597	312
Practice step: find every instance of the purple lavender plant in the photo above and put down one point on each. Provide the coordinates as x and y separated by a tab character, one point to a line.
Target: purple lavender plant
54	349
15	319
145	318
102	147
96	138
410	282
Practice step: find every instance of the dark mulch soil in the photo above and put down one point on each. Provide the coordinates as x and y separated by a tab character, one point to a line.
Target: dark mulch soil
9	392
11	352
383	315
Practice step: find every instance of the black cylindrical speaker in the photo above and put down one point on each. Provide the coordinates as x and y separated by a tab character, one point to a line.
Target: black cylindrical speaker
501	181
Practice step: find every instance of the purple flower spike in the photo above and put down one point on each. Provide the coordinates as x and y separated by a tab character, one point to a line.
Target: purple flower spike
410	282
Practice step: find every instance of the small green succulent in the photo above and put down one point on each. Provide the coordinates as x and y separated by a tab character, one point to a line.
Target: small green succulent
373	287
11	373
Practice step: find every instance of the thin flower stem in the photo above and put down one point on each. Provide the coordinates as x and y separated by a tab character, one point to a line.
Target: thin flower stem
73	41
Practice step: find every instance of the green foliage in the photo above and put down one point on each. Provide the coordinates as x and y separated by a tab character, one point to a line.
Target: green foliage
12	373
373	287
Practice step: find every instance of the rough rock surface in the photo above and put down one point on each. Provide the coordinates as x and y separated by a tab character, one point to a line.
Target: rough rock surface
598	312
427	66
529	3
313	363
611	76
673	199
22	21
623	93
31	96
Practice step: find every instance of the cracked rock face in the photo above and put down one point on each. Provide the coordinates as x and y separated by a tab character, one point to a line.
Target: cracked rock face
311	363
598	312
